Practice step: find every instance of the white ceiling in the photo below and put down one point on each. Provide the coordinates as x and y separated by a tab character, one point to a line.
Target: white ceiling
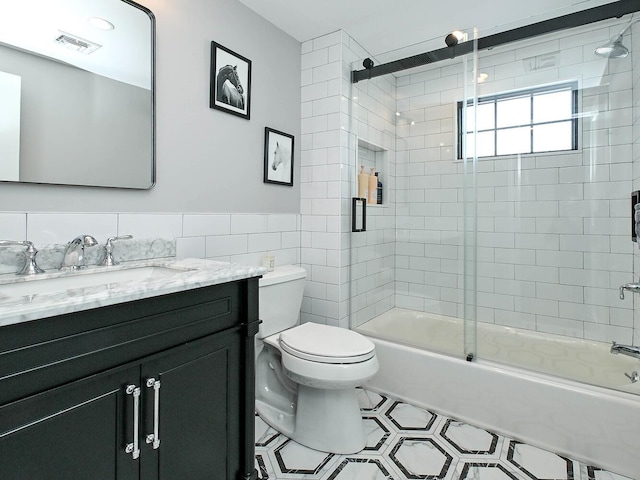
383	26
125	52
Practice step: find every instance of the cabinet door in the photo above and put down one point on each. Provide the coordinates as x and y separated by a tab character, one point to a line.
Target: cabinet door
74	432
197	409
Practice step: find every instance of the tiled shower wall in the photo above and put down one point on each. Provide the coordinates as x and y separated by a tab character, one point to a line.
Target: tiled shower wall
372	125
241	238
553	229
331	126
328	157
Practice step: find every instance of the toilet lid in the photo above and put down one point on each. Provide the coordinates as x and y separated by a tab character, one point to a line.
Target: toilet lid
326	344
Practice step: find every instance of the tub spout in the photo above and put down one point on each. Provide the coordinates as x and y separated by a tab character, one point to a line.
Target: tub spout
632	287
630	350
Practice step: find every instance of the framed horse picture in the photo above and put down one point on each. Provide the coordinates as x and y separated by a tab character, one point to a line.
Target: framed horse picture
230	89
278	157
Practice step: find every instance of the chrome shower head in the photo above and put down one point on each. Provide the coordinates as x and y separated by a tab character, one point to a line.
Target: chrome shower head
613	49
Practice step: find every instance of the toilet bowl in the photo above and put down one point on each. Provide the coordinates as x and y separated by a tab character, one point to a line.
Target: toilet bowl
306	375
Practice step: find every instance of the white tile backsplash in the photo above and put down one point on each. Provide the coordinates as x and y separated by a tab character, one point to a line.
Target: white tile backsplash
191	247
13	226
201	225
61	228
205	235
142	225
249	224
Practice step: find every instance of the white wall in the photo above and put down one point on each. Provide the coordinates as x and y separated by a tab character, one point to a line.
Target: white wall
207	161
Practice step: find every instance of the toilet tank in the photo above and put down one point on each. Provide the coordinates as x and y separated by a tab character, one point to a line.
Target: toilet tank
280	298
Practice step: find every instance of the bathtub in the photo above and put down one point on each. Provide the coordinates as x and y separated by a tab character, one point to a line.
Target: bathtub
596	425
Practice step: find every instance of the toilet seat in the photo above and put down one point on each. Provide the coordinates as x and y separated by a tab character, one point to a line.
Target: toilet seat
326	344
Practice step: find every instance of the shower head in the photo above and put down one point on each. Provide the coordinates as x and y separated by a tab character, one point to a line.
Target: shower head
614	47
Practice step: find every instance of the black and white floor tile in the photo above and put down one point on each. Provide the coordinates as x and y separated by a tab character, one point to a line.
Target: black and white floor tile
407	442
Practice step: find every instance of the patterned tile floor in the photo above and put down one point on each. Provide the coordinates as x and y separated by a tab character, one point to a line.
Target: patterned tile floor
407	442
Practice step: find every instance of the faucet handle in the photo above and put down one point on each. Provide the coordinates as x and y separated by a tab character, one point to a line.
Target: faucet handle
108	248
30	265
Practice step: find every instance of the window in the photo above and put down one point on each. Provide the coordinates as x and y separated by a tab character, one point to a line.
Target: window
538	120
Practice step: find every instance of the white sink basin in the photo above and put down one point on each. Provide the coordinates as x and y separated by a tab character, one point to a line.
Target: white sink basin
85	278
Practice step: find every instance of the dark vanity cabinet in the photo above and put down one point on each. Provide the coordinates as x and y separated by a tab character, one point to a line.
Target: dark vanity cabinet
158	388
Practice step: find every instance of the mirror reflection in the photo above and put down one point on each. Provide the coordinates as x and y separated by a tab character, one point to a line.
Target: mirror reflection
76	93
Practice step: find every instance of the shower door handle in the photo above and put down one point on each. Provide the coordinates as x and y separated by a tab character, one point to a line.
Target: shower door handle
358	226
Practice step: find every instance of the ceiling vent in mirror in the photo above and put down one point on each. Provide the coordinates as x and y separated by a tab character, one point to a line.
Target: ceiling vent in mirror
73	42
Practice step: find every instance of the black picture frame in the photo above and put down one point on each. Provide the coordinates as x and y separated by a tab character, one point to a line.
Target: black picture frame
278	157
229	69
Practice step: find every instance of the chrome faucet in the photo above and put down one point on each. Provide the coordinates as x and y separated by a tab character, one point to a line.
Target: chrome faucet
30	265
630	350
74	254
632	287
108	250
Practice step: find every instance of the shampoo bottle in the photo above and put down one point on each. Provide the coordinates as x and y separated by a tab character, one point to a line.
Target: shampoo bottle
363	184
373	187
379	189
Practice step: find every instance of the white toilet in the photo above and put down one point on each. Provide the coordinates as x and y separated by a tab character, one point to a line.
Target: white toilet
306	374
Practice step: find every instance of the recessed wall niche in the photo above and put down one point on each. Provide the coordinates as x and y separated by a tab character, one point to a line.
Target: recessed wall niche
371	155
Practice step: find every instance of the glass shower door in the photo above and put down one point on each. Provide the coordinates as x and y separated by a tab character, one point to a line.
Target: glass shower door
554	180
468	150
408	276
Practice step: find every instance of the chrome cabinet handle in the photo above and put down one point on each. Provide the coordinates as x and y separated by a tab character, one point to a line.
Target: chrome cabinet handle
154	437
134	448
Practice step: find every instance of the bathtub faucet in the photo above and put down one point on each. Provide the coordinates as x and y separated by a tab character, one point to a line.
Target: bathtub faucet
629	350
632	287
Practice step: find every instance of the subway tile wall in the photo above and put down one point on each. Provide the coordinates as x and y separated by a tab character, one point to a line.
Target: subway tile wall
241	238
553	240
321	182
349	273
373	253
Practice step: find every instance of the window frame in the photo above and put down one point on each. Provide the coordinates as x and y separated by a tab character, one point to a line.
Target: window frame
571	86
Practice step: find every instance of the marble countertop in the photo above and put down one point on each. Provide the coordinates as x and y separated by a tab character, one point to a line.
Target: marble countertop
189	274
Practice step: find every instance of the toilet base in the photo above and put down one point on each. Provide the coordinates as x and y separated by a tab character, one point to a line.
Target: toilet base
329	420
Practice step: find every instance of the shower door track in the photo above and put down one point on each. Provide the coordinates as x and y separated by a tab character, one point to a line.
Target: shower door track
603	12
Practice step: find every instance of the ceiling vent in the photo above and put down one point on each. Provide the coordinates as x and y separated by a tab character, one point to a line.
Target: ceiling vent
73	42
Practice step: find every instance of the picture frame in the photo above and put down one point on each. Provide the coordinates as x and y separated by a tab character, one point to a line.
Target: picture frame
278	157
230	82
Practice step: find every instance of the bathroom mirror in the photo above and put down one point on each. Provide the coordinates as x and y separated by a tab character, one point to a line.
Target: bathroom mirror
77	93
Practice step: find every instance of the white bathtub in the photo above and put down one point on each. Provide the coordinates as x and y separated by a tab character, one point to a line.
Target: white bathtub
595	425
574	359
